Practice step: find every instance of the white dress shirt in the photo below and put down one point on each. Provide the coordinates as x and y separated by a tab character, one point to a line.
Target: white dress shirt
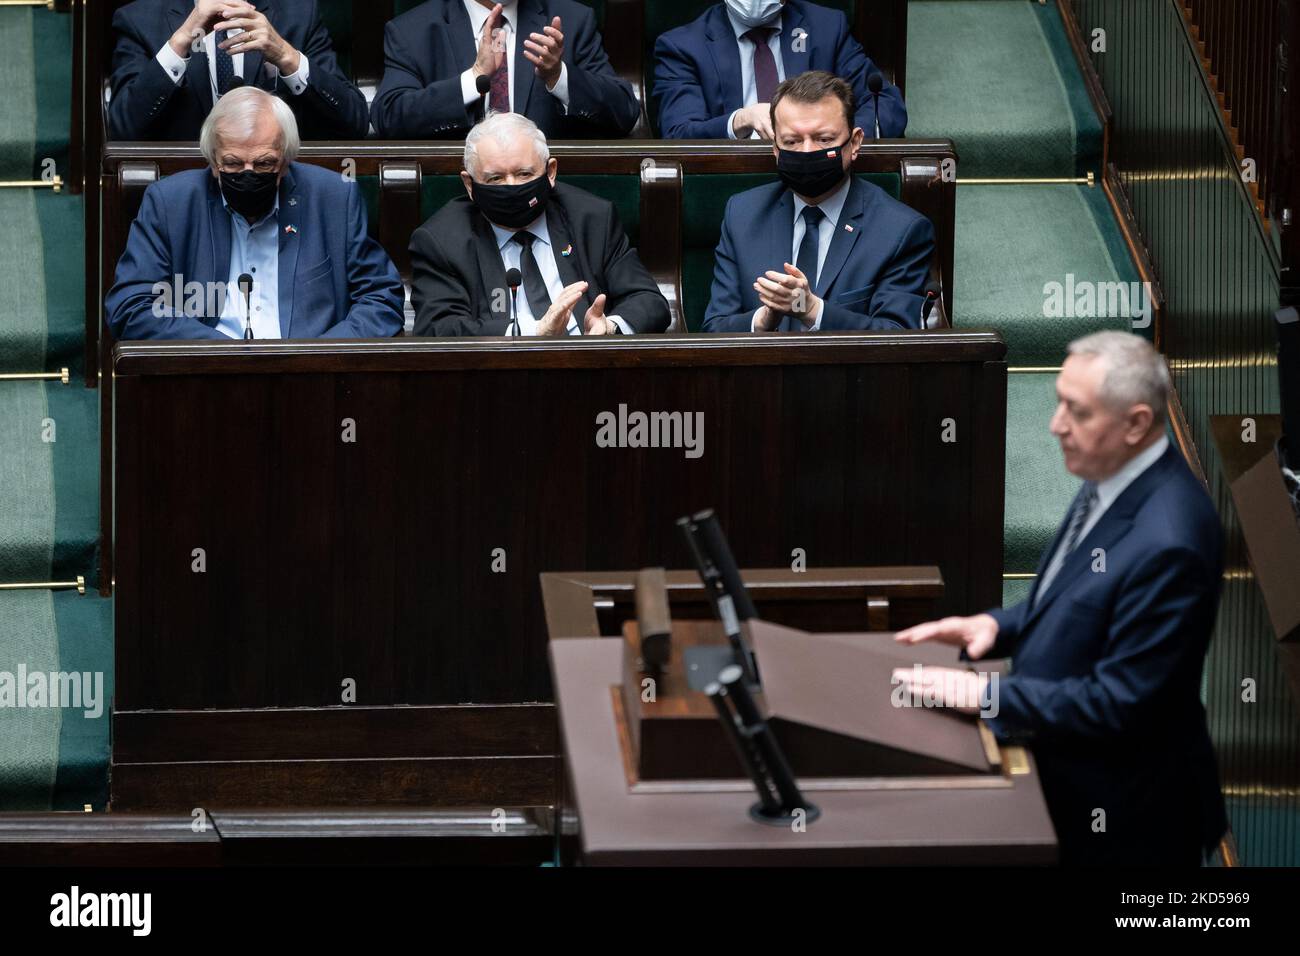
478	15
255	250
175	65
831	208
1108	490
544	253
748	84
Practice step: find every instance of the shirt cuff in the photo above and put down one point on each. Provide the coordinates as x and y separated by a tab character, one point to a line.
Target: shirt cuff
817	322
297	82
172	65
468	91
622	326
731	129
753	323
561	89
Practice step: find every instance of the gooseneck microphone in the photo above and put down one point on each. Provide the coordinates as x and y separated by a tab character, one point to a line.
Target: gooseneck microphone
876	83
246	287
233	83
482	84
513	279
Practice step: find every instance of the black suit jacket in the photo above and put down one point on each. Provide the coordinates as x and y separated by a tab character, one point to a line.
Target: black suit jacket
458	284
428	48
147	104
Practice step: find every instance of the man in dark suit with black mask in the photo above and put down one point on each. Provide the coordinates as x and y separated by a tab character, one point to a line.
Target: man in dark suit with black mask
576	272
174	59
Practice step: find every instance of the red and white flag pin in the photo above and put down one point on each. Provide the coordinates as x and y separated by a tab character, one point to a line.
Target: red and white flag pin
848	227
291	230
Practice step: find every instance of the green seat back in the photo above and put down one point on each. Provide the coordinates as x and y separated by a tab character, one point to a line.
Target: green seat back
336	15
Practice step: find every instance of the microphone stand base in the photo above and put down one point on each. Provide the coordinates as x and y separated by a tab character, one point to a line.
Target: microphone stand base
782	819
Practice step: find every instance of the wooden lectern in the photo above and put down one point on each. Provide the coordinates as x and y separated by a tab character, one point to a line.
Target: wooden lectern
654	780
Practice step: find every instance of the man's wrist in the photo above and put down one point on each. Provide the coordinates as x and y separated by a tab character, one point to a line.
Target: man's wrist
290	63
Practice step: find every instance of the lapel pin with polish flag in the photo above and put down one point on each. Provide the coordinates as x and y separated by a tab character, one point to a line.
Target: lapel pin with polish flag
848	227
567	250
291	230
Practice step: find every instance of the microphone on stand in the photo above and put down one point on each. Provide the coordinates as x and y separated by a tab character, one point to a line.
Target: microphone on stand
233	83
932	292
513	278
246	287
876	83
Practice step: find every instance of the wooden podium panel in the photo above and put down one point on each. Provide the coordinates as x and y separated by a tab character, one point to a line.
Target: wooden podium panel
923	826
303	519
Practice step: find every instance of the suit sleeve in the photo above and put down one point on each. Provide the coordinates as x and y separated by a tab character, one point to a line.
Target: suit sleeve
852	63
140	306
408	108
599	101
374	288
683	111
440	294
726	312
1010	621
141	88
633	293
897	299
1146	648
331	107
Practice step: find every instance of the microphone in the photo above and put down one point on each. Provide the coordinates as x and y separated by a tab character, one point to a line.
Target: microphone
876	83
233	83
932	291
513	278
482	84
246	287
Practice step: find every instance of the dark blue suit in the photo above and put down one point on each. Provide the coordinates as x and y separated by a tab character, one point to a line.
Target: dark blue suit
148	105
428	48
874	275
698	78
334	280
1107	675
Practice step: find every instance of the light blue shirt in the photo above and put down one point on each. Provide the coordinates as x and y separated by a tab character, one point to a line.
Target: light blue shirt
544	253
748	84
831	207
255	250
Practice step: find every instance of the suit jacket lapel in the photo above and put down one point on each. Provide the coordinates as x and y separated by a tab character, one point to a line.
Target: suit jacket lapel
844	238
558	226
219	239
726	55
794	61
491	271
531	20
290	243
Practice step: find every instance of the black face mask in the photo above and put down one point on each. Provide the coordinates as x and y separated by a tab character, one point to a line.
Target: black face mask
811	174
513	207
250	194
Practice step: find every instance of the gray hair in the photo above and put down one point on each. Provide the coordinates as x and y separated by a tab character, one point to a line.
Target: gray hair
504	127
236	115
1135	372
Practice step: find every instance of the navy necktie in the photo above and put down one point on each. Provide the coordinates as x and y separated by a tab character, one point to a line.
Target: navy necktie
765	79
1082	508
806	261
225	65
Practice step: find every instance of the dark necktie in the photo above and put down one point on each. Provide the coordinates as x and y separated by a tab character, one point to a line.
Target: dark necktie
765	80
806	261
539	299
225	65
499	95
1083	506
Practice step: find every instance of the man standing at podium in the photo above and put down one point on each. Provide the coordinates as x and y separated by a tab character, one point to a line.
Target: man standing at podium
1108	650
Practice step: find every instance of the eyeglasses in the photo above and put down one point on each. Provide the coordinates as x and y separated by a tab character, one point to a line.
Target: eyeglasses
260	166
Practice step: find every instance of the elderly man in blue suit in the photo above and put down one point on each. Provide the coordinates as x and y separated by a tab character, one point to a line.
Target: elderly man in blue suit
255	247
173	59
447	63
1108	649
715	77
821	249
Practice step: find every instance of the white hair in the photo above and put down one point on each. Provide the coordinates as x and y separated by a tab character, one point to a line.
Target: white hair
235	117
504	128
1135	372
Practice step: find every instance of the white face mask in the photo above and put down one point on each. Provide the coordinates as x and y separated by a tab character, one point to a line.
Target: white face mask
755	13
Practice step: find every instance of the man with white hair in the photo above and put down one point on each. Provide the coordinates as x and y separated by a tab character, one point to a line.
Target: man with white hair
254	247
1108	649
577	274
